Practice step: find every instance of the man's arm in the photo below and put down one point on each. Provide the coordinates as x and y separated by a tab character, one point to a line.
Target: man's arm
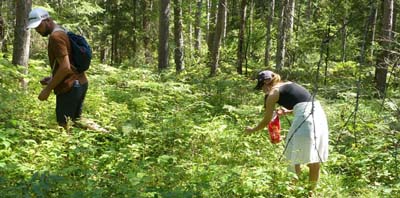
63	70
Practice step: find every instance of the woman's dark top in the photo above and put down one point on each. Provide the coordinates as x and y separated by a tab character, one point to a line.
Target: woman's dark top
292	93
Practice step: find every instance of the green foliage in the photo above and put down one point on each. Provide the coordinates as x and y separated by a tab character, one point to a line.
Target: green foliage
182	136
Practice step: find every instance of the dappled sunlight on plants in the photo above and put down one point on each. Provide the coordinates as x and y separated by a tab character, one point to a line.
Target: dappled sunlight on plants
182	136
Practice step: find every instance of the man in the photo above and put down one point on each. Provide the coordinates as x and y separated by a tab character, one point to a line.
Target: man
68	84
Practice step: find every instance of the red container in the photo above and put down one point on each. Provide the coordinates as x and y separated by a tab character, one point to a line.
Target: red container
274	129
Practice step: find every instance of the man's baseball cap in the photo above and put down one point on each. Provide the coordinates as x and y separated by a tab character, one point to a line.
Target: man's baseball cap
36	16
263	75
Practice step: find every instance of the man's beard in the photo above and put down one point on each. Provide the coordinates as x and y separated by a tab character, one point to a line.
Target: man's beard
46	33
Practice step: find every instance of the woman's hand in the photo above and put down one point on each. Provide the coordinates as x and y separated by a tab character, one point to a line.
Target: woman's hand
282	111
249	130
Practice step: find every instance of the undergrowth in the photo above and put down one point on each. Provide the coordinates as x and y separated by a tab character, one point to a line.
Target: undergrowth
181	135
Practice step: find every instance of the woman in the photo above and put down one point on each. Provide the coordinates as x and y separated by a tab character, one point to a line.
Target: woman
307	139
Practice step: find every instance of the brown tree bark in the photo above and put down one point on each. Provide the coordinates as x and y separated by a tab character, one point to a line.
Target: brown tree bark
178	35
22	37
147	9
381	68
163	47
217	37
241	50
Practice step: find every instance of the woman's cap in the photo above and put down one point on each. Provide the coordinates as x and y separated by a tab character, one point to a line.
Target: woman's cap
263	75
36	16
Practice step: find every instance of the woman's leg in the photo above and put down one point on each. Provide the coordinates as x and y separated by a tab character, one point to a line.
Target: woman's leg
297	168
314	175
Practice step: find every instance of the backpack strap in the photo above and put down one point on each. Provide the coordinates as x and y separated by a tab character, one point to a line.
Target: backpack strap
59	28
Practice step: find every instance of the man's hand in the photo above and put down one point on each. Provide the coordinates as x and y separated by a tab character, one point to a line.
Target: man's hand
45	80
44	94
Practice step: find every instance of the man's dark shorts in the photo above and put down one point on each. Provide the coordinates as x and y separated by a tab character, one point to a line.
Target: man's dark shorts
70	104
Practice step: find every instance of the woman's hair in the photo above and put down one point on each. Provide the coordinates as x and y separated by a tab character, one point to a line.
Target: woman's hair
276	78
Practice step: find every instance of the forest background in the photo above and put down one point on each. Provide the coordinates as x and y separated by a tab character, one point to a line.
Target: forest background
172	82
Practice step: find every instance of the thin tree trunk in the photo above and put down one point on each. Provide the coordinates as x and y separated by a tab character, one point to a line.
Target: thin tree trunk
217	37
190	39
373	30
309	11
344	39
242	30
22	37
197	28
367	25
269	36
281	46
147	9
163	34
2	31
134	28
2	27
178	36
212	7
386	38
289	17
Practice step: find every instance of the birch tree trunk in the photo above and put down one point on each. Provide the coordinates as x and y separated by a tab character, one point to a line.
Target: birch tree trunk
268	35
197	28
373	30
281	46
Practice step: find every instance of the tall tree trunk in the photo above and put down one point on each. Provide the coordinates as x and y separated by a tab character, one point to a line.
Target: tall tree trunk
309	11
178	36
163	34
197	27
147	9
367	25
22	37
289	17
281	46
385	42
21	34
217	37
2	31
373	30
344	38
212	9
241	52
134	28
190	31
270	21
105	43
2	27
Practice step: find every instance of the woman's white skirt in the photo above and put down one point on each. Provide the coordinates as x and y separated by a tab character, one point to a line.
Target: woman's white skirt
307	139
